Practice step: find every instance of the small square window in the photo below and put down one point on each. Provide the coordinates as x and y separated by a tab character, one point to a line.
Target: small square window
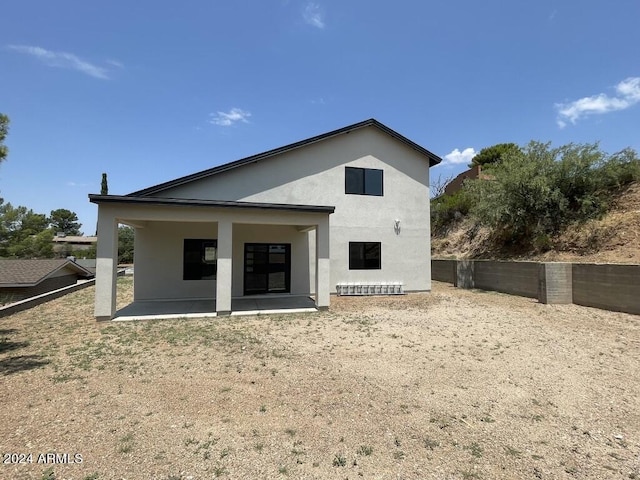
365	256
200	261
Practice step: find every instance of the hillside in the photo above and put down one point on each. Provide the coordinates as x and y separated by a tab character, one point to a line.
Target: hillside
615	238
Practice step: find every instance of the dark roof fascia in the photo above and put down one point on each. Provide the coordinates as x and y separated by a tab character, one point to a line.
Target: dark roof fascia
187	202
433	159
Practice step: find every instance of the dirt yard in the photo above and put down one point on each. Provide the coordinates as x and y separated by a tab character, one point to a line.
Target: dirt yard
449	385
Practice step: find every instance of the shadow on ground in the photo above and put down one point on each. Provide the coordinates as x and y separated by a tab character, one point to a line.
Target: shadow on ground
17	363
21	363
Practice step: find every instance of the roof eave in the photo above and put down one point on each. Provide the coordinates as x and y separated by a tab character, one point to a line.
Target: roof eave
74	266
182	202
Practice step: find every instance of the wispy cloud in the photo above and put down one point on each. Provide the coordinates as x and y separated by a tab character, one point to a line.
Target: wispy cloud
234	115
115	63
627	95
75	184
62	60
313	15
457	157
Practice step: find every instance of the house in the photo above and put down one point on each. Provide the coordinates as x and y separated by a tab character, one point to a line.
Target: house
474	173
350	205
65	244
20	279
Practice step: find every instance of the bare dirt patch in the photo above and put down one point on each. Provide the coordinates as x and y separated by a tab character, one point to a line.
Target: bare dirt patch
449	385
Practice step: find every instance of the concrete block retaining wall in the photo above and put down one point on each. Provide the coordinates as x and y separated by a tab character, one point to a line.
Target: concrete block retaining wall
444	270
610	287
516	278
556	283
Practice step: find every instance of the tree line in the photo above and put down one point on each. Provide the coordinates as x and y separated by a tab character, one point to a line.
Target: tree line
26	234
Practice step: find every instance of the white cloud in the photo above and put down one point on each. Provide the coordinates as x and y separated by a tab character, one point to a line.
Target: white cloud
457	157
115	63
62	60
233	116
627	95
313	15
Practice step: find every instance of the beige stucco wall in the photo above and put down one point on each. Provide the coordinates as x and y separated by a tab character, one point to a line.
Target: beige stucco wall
159	261
315	175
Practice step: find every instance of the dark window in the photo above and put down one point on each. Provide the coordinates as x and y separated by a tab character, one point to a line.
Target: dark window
354	180
364	256
363	181
200	259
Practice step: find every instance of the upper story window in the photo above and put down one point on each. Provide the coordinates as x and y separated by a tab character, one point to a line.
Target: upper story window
363	181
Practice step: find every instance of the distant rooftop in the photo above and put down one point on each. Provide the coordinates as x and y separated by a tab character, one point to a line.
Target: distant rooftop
74	239
20	272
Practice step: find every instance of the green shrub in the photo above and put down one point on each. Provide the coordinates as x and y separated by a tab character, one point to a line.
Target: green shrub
539	190
447	209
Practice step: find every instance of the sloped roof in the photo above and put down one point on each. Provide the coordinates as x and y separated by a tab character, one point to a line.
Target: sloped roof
433	159
26	273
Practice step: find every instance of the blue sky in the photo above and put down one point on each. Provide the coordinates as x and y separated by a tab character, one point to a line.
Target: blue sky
148	91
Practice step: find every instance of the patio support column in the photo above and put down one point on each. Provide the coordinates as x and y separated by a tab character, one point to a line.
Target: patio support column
106	264
223	277
323	261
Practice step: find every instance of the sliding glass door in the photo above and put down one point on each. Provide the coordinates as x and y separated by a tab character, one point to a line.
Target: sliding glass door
267	268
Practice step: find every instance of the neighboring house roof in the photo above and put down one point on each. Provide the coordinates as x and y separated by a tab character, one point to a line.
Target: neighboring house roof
74	239
433	159
27	273
208	203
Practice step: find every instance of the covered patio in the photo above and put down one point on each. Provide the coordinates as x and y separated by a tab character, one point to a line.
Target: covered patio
233	235
259	305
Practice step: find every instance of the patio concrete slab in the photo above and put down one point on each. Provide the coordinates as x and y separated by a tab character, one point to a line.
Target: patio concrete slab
258	305
261	305
152	310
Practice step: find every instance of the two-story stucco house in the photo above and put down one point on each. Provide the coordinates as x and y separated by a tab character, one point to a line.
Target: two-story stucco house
351	205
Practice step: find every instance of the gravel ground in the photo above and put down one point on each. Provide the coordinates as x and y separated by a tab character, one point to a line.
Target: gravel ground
448	385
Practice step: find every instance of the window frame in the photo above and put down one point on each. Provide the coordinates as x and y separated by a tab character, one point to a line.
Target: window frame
203	269
364	187
362	262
